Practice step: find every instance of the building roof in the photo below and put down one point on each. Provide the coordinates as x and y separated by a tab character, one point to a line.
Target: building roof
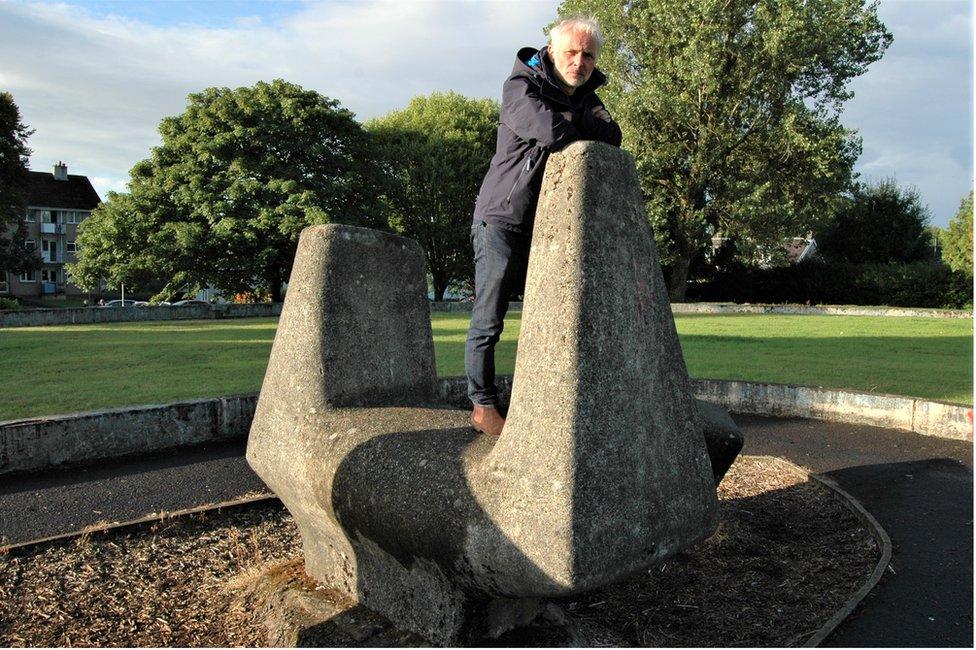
76	193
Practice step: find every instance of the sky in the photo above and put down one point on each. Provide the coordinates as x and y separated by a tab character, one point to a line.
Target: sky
94	78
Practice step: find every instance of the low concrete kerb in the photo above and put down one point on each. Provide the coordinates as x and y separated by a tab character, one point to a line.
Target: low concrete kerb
93	315
784	309
96	315
39	443
881	538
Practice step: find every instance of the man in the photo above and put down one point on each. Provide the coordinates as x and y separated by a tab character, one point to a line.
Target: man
547	102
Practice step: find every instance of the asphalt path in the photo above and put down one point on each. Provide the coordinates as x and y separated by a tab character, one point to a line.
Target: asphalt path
919	488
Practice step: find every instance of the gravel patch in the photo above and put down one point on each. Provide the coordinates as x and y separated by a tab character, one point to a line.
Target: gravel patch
787	555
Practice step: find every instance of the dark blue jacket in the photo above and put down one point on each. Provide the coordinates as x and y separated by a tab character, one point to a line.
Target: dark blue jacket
537	117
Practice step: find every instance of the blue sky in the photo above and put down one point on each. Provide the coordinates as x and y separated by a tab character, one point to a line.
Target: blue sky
173	13
94	78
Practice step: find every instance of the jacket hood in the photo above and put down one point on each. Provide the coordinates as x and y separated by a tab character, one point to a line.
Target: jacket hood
535	64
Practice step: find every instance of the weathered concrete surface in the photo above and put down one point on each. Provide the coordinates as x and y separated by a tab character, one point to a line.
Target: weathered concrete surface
945	420
601	399
891	411
601	471
89	315
39	443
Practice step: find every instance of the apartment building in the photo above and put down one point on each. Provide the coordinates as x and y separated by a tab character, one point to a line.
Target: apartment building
56	204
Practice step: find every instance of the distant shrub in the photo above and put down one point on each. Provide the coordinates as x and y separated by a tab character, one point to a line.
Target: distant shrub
10	303
881	223
912	284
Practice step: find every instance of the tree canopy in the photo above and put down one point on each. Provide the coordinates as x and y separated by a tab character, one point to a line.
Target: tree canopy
437	150
731	109
223	199
957	239
880	223
14	156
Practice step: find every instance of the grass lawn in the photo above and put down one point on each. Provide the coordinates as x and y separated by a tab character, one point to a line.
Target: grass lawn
64	369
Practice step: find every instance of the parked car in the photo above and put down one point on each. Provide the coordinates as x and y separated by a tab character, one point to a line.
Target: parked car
121	303
180	303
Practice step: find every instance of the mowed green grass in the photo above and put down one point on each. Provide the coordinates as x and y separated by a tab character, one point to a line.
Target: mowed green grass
52	370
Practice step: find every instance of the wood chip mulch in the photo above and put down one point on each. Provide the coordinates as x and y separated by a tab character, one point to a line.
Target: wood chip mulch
787	555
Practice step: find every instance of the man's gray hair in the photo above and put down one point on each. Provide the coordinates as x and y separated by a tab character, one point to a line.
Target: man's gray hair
577	24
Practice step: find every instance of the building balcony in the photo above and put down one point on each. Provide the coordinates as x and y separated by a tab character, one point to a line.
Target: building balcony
52	228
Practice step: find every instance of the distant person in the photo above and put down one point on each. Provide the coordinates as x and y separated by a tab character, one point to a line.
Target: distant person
101	302
548	102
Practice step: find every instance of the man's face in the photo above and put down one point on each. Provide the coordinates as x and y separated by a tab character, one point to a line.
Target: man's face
574	57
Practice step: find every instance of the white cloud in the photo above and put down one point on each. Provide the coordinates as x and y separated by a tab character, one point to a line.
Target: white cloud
96	87
914	108
103	185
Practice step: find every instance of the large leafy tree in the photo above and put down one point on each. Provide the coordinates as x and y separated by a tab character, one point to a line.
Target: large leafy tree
437	149
224	198
731	110
14	156
957	240
880	223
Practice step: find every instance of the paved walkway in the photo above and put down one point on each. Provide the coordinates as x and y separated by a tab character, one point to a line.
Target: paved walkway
920	489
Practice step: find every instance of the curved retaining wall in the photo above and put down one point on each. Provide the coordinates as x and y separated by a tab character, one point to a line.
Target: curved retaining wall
83	315
39	443
733	308
88	315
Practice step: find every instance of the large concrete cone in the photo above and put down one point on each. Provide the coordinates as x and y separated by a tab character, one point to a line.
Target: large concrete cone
602	425
600	472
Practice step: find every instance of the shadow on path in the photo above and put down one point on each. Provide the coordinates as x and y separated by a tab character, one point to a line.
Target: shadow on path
920	489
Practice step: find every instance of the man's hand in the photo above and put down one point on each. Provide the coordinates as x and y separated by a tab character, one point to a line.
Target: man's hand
596	124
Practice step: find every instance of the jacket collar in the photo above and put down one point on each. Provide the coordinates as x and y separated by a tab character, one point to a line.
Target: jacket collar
535	64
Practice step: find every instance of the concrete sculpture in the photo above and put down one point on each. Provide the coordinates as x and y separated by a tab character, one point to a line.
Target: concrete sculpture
602	469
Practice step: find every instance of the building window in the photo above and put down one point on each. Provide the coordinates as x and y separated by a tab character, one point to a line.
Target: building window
28	276
4	283
49	216
49	275
49	250
31	216
30	244
71	247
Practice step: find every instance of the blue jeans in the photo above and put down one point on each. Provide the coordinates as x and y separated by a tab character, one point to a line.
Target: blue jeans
501	258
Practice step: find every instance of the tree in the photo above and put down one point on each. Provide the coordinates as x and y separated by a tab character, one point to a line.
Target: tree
880	223
14	156
438	149
957	240
731	110
224	198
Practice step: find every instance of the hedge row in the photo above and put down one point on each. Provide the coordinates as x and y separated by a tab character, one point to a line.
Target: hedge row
915	284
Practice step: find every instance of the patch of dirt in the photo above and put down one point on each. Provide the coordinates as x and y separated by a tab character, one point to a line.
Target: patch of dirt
787	555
